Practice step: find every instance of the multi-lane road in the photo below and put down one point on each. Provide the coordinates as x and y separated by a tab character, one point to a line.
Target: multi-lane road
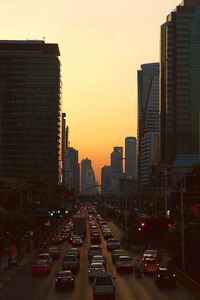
26	287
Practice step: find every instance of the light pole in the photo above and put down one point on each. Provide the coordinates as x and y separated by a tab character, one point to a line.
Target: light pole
182	221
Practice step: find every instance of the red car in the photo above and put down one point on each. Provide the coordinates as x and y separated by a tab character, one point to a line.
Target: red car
40	267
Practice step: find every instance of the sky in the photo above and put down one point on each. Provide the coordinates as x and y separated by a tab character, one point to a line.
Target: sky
102	45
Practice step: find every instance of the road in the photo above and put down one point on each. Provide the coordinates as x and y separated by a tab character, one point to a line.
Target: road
26	287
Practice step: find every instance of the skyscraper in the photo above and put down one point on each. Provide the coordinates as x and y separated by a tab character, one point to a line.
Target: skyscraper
30	110
89	185
130	158
180	78
106	180
116	168
148	117
72	169
63	147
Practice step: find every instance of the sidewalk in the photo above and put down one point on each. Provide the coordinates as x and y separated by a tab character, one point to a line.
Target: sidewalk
8	272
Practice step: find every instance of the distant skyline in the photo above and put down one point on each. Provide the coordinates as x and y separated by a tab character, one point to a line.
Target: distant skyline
102	44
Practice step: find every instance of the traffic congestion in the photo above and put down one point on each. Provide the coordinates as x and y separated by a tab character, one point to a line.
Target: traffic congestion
85	260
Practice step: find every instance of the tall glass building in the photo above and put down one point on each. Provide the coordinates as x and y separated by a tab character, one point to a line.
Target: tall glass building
148	121
30	111
180	82
130	158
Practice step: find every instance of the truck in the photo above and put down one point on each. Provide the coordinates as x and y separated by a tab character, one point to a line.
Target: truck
79	222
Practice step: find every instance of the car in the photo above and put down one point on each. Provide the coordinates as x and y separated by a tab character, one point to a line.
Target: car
150	265
45	256
104	287
113	244
96	269
94	250
95	238
73	251
117	253
124	263
64	280
70	262
152	253
54	252
77	241
40	267
165	278
99	258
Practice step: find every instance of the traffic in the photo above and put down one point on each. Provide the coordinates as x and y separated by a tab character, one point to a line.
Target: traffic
85	260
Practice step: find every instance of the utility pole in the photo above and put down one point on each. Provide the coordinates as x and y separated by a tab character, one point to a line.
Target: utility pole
126	216
182	222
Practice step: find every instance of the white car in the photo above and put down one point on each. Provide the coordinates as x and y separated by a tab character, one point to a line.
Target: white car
99	258
96	269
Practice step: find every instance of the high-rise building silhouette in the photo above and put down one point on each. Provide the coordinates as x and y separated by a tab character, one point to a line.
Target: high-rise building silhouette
89	185
148	121
130	158
180	83
30	110
116	168
106	180
63	147
72	170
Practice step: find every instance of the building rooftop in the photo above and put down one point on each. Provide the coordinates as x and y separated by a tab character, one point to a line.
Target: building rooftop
29	45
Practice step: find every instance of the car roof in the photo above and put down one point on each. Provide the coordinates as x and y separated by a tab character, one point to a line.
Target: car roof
93	264
98	256
163	269
125	256
118	251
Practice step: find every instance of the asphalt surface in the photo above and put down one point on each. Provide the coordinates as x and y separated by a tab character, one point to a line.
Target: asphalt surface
26	287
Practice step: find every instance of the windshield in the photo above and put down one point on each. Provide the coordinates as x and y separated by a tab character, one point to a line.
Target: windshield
64	274
125	258
96	265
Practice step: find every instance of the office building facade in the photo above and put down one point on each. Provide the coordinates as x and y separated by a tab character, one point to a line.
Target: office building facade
130	158
116	163
148	119
72	171
89	185
106	180
180	78
63	147
30	111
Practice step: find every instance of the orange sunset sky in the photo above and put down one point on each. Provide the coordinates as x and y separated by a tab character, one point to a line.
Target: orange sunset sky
102	44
